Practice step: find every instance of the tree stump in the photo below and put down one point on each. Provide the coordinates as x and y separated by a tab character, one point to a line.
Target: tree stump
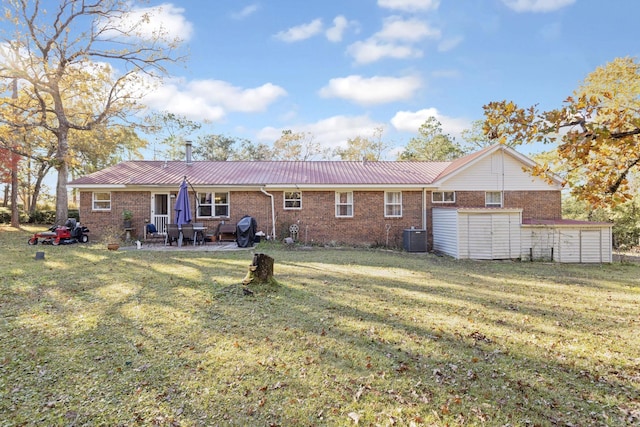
260	270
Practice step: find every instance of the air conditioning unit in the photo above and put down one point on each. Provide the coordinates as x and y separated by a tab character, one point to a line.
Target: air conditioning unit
414	240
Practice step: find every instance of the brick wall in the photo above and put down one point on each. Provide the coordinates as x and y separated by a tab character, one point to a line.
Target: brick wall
316	220
535	204
317	223
138	202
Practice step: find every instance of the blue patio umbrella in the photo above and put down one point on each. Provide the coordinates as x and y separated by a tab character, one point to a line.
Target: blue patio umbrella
183	208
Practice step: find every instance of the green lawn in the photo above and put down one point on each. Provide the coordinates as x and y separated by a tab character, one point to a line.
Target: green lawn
367	337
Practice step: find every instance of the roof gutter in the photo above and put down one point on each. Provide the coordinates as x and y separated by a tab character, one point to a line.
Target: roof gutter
273	213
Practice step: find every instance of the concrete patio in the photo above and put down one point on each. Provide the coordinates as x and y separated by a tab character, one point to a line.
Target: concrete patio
208	247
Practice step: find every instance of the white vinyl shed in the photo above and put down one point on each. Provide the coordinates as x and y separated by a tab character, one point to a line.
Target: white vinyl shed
482	233
498	233
567	241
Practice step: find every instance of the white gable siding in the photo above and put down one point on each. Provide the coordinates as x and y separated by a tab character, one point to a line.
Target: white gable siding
497	172
445	231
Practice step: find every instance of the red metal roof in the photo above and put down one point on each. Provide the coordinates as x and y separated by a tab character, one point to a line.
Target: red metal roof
145	172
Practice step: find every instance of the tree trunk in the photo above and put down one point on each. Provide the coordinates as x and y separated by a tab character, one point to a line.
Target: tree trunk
15	213
37	186
260	270
62	166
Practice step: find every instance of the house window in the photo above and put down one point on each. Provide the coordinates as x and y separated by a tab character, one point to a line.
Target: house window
344	204
213	205
443	197
101	201
493	199
393	203
293	200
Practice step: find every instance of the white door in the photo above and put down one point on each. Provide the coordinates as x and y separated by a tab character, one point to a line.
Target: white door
160	211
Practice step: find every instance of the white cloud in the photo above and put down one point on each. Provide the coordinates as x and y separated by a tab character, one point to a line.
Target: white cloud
236	98
449	44
165	22
332	132
410	5
340	25
409	30
212	99
246	11
537	5
410	121
394	40
300	32
371	91
368	51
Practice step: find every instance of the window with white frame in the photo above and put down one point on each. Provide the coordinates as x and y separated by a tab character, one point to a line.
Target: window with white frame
293	200
344	204
443	197
213	205
101	202
393	204
493	199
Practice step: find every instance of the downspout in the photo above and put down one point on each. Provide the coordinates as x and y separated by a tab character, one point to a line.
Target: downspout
424	217
424	209
273	213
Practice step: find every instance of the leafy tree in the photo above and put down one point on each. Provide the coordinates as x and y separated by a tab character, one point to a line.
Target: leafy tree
431	144
215	147
361	148
597	131
78	65
38	150
251	151
224	148
103	147
474	138
175	130
625	218
295	146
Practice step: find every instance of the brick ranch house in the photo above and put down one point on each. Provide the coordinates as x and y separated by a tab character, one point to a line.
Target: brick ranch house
483	206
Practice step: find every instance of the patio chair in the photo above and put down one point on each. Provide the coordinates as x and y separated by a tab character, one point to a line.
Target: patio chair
173	234
188	233
227	232
151	234
199	232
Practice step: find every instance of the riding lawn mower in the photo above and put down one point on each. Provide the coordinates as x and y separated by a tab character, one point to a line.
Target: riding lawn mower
70	232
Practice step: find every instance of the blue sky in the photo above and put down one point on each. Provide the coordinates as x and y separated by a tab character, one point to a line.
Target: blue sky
339	69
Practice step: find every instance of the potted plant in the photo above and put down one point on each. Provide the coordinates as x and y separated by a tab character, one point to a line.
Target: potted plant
127	216
112	237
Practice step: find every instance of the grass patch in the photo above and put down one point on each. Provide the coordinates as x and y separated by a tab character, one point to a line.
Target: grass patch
93	337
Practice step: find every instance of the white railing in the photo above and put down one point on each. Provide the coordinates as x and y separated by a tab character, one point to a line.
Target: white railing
161	221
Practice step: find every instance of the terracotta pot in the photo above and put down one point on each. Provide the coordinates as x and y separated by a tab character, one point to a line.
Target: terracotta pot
113	246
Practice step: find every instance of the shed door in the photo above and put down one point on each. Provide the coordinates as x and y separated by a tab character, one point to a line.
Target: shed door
493	236
569	241
590	246
479	239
